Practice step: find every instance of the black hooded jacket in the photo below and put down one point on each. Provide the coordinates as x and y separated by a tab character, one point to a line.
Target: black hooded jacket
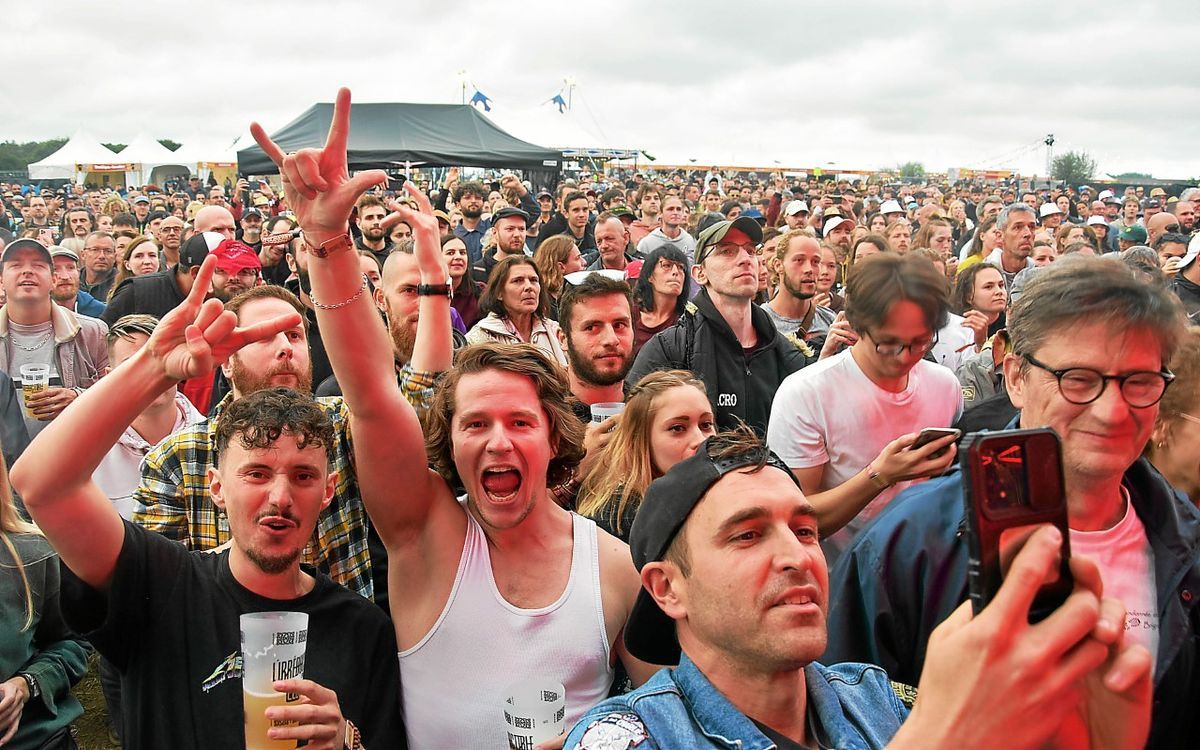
741	382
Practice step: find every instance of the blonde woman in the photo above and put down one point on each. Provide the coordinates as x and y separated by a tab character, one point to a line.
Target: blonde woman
666	417
38	654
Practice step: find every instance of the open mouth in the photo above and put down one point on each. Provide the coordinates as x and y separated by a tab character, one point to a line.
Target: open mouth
501	483
277	525
802	599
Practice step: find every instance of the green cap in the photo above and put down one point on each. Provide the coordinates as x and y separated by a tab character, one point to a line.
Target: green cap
1134	233
714	234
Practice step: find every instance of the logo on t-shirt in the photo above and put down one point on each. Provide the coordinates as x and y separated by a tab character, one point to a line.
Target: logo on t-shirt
230	668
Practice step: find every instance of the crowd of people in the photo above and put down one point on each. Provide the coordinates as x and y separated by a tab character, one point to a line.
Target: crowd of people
650	437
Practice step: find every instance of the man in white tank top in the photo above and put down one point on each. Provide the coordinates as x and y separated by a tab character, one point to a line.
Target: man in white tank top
504	586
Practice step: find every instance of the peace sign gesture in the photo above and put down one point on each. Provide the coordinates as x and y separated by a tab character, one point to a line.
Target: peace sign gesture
317	182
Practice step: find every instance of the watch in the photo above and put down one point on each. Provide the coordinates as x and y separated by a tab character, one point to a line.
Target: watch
341	242
35	690
353	738
435	290
877	479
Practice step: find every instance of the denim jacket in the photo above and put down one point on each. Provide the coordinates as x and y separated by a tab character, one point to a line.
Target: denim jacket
850	705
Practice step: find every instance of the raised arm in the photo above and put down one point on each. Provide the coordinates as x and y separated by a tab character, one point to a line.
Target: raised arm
389	446
54	475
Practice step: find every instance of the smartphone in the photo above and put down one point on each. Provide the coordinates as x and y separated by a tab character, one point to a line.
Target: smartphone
929	434
396	183
1014	484
254	185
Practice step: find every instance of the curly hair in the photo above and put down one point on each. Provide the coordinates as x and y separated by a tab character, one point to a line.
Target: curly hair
554	395
260	418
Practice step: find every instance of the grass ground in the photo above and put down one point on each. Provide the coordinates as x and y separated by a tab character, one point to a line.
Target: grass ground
93	725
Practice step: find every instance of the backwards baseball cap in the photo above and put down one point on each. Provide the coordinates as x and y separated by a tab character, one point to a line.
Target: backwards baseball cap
1133	233
509	212
1192	253
669	500
891	207
1048	209
833	224
25	243
709	238
235	255
197	248
795	207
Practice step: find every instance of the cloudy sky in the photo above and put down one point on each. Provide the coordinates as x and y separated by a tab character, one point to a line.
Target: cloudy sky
858	84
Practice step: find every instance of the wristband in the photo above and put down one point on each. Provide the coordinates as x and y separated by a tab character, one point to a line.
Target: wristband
353	738
435	290
877	479
341	242
35	690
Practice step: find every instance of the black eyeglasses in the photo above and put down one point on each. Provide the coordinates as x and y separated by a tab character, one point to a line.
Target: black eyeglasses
895	350
1083	385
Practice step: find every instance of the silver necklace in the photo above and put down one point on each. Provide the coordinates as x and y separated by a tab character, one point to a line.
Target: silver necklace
41	342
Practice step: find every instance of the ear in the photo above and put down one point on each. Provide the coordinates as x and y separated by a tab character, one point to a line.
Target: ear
699	275
1014	380
562	338
380	301
666	584
215	487
227	367
330	486
291	261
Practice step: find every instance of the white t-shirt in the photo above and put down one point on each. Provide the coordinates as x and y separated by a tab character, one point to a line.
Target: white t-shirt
1126	563
832	413
955	343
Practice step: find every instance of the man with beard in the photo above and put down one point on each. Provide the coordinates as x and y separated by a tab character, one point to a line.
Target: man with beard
397	299
370	223
141	210
99	264
792	309
509	230
237	270
836	232
37	215
469	196
251	228
596	328
66	292
173	496
167	617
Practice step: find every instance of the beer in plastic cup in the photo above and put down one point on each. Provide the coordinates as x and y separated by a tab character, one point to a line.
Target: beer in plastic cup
606	410
272	649
34	379
534	711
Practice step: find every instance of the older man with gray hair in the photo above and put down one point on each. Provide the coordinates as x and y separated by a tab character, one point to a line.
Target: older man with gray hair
1017	223
1090	348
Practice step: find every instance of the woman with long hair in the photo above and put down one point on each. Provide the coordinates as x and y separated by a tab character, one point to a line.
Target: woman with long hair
987	239
660	293
1174	446
555	258
978	301
517	308
466	290
666	417
37	650
139	258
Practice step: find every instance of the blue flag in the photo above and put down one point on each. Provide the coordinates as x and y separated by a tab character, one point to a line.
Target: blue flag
480	98
558	100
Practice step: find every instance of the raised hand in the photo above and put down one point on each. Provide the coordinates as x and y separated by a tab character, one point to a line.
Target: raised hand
316	181
198	335
427	244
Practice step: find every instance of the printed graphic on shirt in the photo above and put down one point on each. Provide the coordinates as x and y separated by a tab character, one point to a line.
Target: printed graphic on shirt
614	732
1141	621
230	668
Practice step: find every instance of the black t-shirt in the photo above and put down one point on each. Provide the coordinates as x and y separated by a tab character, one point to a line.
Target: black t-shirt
169	623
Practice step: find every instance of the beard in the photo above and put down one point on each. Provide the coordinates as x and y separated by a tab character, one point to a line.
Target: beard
590	374
373	234
246	381
795	290
404	336
61	294
472	212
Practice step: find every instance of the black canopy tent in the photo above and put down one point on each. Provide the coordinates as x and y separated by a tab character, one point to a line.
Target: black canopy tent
390	135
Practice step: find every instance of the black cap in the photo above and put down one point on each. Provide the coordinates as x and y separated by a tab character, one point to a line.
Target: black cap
508	212
197	248
252	212
669	500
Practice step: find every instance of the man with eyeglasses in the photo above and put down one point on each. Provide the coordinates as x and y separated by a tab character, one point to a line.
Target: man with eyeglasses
169	237
99	264
1090	346
846	426
722	336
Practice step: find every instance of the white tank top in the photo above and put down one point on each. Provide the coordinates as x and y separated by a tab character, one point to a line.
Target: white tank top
455	680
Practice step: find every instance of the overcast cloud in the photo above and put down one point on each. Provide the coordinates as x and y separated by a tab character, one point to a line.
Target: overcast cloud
861	84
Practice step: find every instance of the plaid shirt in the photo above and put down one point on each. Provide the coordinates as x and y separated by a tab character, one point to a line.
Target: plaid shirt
173	500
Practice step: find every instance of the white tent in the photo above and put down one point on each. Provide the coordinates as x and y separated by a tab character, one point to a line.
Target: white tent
202	157
151	161
562	131
74	159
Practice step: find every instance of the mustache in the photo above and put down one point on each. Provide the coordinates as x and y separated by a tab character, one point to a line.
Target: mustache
274	511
